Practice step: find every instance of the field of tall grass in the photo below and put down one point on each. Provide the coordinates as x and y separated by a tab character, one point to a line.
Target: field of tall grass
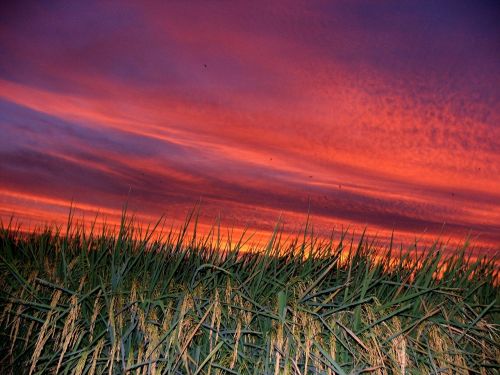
83	301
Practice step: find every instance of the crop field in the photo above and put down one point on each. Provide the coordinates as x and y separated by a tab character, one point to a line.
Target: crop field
85	301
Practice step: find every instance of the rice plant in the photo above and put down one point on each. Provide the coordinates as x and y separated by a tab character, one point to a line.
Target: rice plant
130	301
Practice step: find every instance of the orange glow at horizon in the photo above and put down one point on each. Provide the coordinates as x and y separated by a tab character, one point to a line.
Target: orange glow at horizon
384	117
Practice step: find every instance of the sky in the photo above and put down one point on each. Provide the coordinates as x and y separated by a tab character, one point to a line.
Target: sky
382	115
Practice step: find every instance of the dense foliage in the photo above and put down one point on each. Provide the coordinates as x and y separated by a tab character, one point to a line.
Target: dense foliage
84	302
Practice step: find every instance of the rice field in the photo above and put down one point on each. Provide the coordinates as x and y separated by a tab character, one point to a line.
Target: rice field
85	301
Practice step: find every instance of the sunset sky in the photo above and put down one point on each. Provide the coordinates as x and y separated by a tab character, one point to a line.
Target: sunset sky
380	114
